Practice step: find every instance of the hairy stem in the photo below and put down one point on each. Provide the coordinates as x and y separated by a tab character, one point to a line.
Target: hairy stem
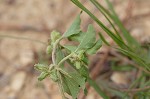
64	59
54	50
60	85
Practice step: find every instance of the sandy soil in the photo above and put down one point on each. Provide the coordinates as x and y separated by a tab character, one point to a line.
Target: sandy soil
35	19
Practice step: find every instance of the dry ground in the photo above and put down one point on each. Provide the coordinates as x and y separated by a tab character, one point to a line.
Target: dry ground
35	19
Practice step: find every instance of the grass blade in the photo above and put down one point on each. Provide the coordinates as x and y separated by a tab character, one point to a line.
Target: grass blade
109	32
131	41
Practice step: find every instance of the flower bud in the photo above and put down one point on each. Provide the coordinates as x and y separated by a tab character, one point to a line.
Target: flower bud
40	67
54	36
78	64
49	49
53	75
81	55
42	76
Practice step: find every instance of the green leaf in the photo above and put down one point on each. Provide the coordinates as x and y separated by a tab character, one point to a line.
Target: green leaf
41	67
65	86
103	39
131	41
59	56
88	39
74	28
84	71
73	86
120	42
42	76
77	64
96	87
77	37
71	48
106	15
79	79
94	49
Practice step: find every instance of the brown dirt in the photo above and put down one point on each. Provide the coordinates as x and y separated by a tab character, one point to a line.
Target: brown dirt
35	19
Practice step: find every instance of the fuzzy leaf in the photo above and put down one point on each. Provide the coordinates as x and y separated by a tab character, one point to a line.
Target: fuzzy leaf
70	48
74	28
59	56
94	49
73	86
84	71
53	75
77	37
42	76
79	79
41	67
88	39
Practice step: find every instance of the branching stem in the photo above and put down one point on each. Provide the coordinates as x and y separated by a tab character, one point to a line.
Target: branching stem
64	59
54	50
60	85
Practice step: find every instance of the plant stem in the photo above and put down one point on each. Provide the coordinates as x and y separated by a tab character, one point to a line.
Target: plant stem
54	62
64	59
60	85
54	50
